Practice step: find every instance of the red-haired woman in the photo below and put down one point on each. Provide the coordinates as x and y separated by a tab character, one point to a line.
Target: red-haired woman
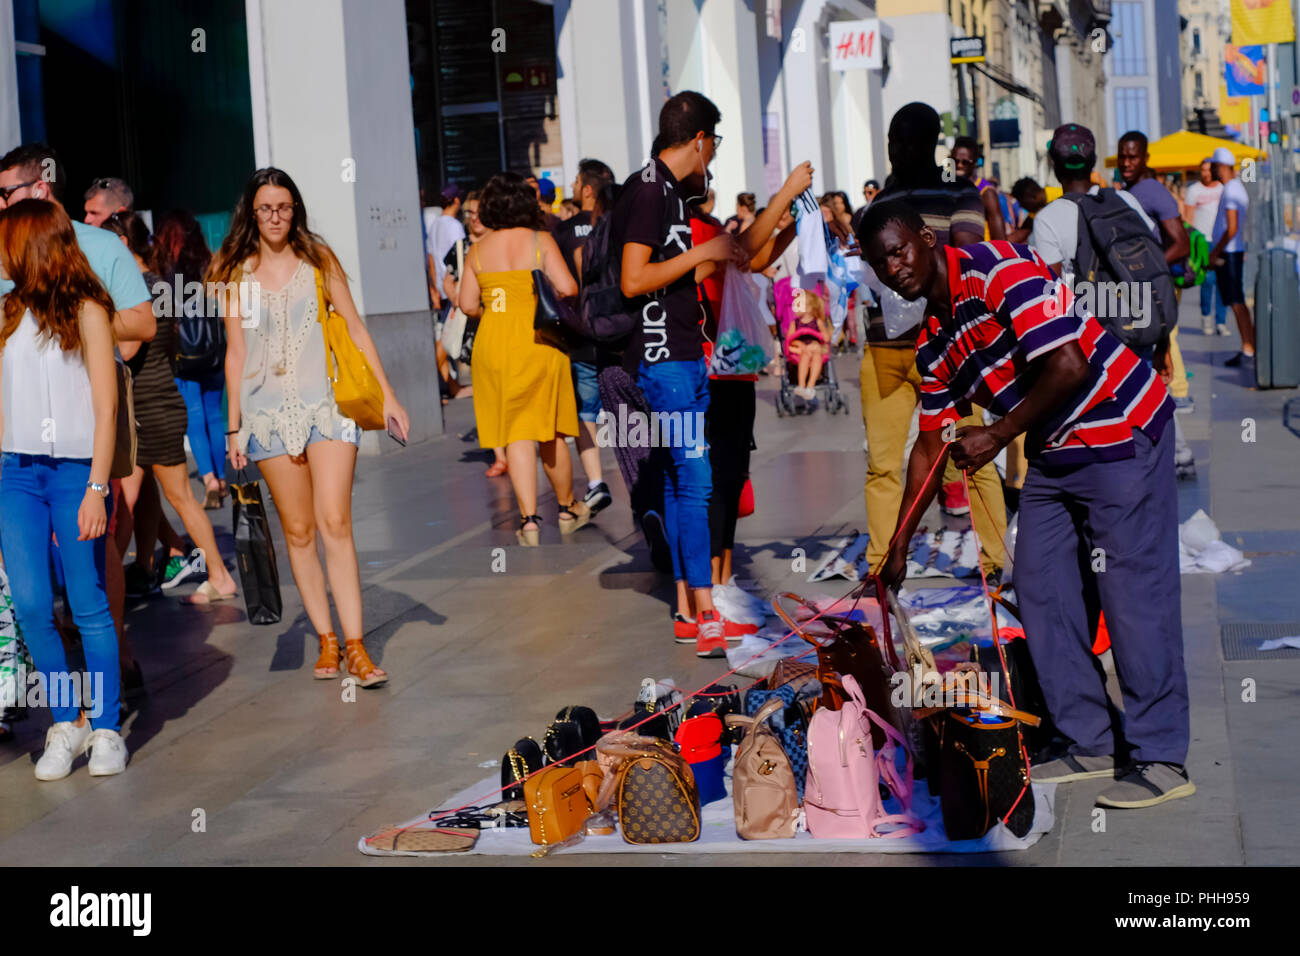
281	404
59	395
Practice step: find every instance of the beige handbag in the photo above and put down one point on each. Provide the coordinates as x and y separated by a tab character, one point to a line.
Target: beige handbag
762	780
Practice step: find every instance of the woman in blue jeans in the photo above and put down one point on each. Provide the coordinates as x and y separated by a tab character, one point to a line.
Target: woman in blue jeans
59	393
181	256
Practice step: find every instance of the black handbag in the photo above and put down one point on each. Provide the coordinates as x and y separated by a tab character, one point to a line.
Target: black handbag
983	775
523	758
720	699
553	315
467	342
588	726
255	552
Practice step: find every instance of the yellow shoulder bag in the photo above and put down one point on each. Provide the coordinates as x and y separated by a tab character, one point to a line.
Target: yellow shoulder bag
356	390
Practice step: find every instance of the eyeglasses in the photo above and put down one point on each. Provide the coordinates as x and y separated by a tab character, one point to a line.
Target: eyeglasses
282	211
717	141
7	191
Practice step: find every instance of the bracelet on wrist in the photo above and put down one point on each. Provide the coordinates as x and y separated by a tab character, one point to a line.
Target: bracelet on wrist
235	432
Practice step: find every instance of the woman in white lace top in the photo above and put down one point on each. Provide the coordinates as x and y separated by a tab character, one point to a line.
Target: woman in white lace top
282	413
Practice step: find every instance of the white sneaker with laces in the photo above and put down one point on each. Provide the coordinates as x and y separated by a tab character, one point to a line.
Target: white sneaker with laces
63	742
107	753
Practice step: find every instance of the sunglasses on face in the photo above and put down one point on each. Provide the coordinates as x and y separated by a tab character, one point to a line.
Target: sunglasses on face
7	191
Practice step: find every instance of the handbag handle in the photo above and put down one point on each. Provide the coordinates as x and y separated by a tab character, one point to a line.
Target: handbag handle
890	653
781	613
767	710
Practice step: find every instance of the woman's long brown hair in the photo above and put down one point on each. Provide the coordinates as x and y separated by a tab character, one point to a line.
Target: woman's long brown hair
242	239
39	252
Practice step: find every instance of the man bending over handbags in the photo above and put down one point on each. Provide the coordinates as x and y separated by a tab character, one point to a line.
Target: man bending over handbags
1098	513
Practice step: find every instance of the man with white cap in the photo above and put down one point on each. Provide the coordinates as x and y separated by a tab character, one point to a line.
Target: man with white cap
1228	254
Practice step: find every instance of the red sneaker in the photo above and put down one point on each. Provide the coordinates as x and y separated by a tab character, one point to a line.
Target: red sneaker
734	630
953	500
712	640
685	631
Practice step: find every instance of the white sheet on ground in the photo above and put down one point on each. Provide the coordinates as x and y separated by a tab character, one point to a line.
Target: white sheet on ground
718	833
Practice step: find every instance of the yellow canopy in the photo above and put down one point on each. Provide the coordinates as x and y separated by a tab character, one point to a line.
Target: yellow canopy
1185	150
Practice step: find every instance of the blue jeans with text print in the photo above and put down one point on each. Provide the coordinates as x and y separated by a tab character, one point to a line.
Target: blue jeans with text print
678	394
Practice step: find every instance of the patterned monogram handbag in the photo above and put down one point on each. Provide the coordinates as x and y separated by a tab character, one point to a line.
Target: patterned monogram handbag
657	799
983	777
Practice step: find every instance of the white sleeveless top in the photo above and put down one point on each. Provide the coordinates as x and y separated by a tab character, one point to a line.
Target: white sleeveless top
285	388
46	393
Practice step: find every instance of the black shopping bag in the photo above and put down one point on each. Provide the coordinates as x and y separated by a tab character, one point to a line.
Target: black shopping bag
255	552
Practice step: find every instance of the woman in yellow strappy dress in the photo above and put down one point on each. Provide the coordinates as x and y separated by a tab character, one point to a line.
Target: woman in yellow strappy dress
523	390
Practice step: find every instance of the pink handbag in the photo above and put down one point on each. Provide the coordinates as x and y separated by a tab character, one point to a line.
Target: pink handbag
842	795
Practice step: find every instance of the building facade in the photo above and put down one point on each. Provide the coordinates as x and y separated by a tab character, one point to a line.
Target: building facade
1143	71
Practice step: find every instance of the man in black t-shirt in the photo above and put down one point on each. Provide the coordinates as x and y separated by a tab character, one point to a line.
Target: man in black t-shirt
593	179
651	228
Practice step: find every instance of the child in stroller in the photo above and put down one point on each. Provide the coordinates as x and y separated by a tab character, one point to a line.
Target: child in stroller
806	340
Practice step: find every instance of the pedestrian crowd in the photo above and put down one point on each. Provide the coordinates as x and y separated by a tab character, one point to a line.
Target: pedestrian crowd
121	346
981	346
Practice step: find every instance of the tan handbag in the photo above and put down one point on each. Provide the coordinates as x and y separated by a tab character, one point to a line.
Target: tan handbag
124	448
762	781
557	804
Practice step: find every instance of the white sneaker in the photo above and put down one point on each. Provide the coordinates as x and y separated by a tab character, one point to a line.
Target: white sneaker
107	753
63	742
1207	325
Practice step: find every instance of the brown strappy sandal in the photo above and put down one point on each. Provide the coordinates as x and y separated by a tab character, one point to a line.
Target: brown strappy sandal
362	667
327	665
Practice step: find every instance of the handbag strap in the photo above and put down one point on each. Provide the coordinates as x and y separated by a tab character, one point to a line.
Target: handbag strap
769	708
322	313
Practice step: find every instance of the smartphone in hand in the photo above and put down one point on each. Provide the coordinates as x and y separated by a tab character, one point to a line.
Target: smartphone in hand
394	432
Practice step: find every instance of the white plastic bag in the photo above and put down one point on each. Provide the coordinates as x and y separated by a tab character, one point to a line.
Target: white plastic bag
744	344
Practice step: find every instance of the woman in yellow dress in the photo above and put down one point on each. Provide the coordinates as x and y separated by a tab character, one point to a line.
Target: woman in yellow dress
523	390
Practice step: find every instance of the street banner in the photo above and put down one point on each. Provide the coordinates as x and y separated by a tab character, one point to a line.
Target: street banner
1244	70
1262	21
1233	110
855	45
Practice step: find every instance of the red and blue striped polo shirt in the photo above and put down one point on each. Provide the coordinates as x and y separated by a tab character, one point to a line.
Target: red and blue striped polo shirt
1008	310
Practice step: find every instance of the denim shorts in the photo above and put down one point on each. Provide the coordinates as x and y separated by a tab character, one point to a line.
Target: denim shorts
587	391
256	452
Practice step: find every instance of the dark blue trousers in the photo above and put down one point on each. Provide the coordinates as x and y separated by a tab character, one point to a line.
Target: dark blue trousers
1125	514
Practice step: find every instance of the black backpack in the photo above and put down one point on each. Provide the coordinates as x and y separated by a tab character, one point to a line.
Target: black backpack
199	341
1115	246
604	314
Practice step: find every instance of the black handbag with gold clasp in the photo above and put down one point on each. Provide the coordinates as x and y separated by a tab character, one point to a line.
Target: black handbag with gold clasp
984	777
523	758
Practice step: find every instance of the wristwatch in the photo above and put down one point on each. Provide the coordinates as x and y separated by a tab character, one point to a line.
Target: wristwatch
97	488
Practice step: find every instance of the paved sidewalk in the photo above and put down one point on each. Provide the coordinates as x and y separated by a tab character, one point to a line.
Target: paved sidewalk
280	770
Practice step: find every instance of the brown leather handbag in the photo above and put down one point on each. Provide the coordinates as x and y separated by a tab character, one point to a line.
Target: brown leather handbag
762	782
657	799
853	648
557	804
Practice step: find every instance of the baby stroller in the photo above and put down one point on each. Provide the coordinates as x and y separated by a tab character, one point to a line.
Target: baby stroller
827	387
